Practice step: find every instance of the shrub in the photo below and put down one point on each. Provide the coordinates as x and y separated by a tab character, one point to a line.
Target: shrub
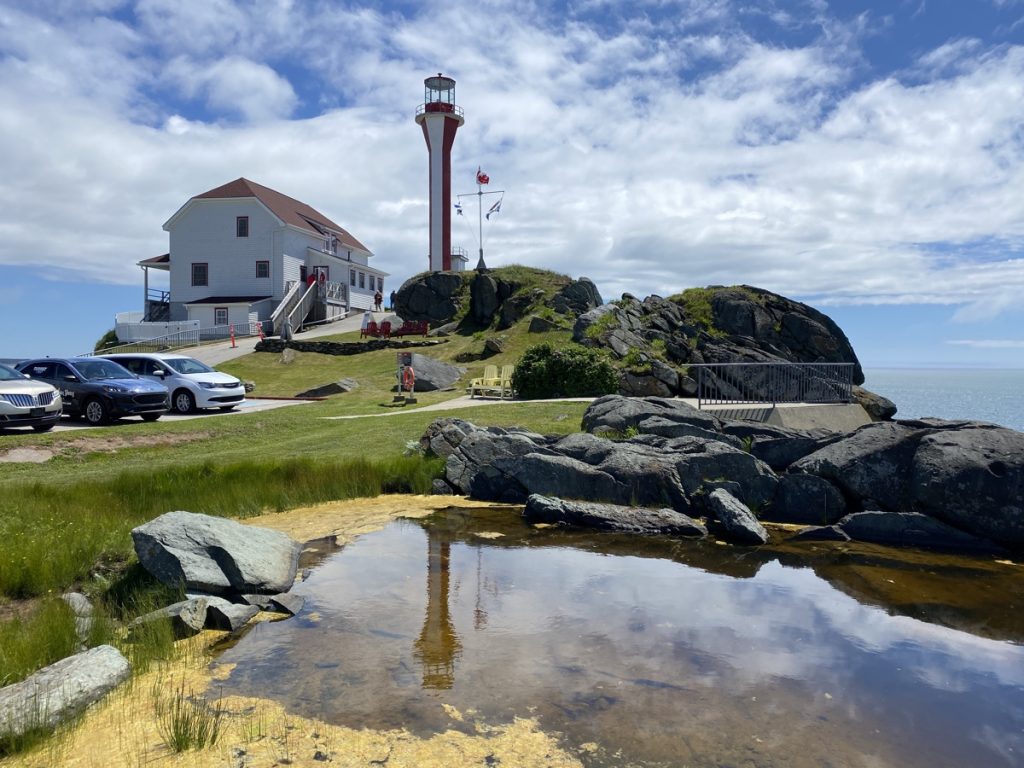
571	371
609	321
107	340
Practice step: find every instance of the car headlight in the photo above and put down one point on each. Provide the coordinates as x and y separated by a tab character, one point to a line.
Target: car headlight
115	389
208	384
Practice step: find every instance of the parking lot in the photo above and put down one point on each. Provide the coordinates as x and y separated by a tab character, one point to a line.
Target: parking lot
249	405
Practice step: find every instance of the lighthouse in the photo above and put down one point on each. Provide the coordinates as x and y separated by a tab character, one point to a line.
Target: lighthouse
440	118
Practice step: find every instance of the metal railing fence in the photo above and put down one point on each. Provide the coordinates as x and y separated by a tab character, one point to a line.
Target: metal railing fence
182	339
773	383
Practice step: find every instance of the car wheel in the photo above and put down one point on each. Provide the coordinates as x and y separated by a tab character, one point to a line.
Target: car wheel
151	416
184	402
95	412
42	428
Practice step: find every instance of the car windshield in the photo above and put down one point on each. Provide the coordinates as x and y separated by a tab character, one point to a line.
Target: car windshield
94	370
187	365
9	374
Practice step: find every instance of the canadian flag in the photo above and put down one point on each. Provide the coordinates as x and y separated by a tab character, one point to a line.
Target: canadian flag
481	177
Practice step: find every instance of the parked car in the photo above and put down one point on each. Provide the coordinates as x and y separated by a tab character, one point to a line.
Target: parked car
27	403
192	384
99	390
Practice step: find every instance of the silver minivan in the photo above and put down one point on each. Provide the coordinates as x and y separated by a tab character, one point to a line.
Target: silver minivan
192	384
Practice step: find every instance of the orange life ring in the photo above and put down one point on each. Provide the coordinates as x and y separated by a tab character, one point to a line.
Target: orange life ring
408	379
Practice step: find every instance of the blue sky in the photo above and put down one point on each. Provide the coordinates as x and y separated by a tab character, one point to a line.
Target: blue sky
864	157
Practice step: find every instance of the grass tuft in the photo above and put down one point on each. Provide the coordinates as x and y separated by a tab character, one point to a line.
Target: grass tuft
184	722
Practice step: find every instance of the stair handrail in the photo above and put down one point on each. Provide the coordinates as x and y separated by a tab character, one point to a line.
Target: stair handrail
283	309
299	312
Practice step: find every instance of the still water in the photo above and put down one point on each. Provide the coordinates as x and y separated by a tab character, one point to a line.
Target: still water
658	652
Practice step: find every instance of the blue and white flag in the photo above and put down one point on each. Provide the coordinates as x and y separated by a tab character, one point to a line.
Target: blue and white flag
458	208
496	208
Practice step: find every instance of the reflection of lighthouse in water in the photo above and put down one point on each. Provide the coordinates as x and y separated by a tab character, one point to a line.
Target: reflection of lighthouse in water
438	646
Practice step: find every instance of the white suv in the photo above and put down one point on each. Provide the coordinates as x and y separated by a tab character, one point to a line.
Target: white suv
192	384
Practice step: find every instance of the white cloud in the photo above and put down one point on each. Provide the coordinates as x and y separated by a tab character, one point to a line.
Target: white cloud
649	156
988	343
234	85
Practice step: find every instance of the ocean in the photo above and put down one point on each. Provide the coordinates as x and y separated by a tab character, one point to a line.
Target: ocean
963	393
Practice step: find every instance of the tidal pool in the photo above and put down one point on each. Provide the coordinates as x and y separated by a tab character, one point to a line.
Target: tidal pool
654	652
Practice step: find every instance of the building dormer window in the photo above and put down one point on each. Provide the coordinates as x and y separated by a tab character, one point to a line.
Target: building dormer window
241	226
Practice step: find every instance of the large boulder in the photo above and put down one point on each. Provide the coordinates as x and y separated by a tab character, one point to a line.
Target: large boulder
618	413
432	375
432	296
60	690
610	517
215	555
879	408
972	477
805	499
909	529
483	299
577	298
699	461
872	465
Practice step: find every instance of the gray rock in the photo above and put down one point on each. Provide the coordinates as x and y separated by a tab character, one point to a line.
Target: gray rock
910	529
619	413
483	299
443	436
879	408
187	617
659	425
78	603
334	388
432	296
872	465
493	346
216	555
698	461
61	690
820	533
439	487
561	476
444	330
543	325
260	601
288	356
288	602
483	466
972	477
224	615
634	384
577	298
805	499
587	319
611	517
432	375
737	520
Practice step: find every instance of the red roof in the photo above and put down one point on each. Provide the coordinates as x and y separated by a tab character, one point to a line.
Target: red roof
162	259
288	209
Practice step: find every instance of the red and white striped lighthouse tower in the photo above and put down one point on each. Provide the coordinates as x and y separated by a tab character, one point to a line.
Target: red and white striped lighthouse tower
440	118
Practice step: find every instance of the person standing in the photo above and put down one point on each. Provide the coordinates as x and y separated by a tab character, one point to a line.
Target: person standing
378	299
393	297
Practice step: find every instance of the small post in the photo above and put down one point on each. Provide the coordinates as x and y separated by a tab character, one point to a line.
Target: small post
232	329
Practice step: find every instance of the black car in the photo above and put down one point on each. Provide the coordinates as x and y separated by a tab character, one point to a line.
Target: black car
99	390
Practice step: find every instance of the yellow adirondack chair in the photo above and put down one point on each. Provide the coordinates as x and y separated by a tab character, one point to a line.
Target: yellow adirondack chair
506	381
488	382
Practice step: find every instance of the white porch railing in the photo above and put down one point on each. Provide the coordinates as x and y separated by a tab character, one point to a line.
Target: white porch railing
298	314
278	316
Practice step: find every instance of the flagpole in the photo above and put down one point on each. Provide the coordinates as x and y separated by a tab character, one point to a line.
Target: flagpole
480	266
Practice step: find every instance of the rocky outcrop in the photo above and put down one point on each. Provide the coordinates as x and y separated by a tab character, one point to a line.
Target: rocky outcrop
60	690
495	298
215	555
712	325
610	517
900	529
334	388
435	297
965	476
